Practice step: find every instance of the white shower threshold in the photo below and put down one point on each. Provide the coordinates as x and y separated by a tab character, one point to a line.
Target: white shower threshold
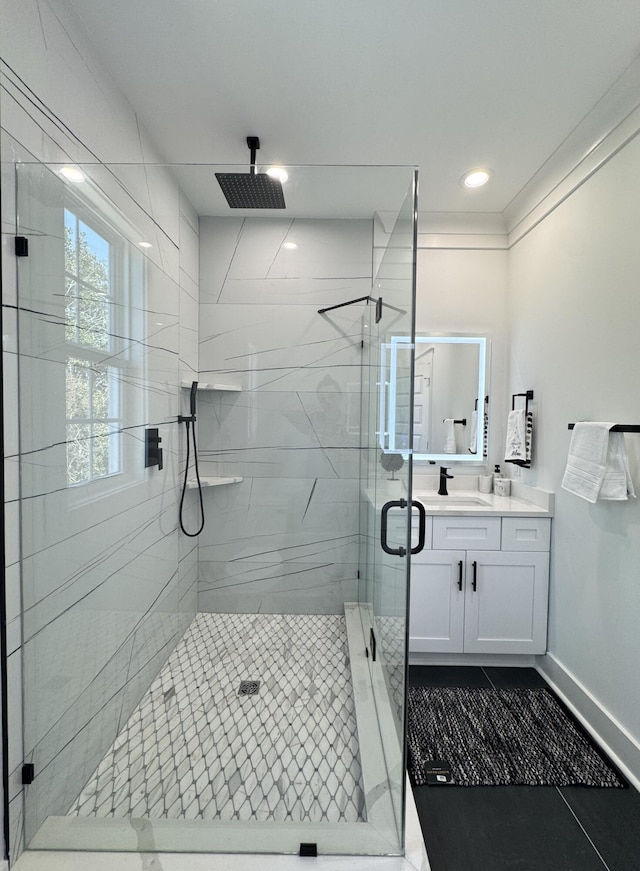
415	858
378	836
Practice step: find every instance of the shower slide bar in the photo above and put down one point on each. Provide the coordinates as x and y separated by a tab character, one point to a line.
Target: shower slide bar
377	301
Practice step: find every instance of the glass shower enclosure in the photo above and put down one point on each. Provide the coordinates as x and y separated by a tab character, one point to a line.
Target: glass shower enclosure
246	685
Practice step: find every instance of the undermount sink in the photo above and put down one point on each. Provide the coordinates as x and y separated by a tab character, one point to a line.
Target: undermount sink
444	501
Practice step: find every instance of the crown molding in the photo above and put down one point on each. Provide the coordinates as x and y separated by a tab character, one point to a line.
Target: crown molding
612	122
476	230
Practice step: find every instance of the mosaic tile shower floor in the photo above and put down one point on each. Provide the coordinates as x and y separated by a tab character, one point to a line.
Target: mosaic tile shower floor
195	748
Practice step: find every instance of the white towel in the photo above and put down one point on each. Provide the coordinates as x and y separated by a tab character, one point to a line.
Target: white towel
617	484
595	457
473	435
516	446
449	436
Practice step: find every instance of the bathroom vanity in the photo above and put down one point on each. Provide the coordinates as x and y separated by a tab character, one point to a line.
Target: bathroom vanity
480	585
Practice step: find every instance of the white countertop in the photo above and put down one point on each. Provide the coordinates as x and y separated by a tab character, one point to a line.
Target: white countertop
525	501
471	502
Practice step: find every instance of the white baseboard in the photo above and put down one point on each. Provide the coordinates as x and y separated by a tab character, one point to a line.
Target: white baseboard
617	742
519	660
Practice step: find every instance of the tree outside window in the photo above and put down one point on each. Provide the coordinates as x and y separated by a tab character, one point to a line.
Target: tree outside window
92	386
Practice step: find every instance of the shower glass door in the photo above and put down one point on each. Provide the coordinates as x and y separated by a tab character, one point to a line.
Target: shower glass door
385	513
138	641
104	594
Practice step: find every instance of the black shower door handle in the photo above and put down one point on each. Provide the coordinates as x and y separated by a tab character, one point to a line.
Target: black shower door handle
394	551
422	526
402	503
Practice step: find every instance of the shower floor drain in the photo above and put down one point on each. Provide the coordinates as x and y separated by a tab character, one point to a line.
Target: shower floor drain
249	687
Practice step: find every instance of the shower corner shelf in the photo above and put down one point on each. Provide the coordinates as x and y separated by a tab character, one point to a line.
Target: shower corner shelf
230	388
192	484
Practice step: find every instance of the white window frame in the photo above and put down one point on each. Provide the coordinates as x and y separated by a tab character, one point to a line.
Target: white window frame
116	357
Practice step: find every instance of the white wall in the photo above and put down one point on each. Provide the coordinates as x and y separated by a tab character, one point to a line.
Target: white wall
91	663
574	316
465	291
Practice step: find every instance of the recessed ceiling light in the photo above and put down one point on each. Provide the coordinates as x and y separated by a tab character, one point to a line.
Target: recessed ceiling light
278	172
290	245
145	245
72	174
475	178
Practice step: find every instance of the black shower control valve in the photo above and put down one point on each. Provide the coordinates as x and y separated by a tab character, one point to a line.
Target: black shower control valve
152	449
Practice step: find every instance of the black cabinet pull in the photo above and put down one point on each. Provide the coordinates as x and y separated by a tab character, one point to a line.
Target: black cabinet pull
475	576
394	551
460	575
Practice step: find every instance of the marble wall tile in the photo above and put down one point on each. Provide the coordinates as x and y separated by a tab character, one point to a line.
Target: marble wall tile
16	825
244	261
80	567
8	189
275	462
50	47
288	536
280	347
188	329
291	589
189	275
189	242
107	585
13	604
221	237
14	708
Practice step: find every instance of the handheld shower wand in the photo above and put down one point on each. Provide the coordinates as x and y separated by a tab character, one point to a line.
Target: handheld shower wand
188	421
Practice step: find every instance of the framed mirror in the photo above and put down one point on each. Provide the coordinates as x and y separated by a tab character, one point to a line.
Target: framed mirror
450	398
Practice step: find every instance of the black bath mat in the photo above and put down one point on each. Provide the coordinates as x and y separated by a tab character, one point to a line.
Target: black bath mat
493	737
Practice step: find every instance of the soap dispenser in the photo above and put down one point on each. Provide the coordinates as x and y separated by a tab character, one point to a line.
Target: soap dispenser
501	485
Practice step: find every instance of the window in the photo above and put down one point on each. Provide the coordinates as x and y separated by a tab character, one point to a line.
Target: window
92	259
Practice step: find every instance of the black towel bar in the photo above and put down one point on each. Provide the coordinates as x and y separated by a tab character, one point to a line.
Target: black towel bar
528	396
619	427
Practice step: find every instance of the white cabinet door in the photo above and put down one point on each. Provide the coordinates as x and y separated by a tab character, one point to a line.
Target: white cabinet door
436	616
506	612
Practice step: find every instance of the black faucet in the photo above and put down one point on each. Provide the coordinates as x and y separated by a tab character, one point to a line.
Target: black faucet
443	481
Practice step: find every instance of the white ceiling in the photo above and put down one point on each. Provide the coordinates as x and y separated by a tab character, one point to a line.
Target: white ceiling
442	84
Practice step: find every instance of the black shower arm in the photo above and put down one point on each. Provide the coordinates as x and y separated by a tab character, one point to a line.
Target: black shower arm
254	144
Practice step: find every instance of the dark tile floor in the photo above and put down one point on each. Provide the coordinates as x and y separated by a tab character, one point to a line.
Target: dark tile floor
523	828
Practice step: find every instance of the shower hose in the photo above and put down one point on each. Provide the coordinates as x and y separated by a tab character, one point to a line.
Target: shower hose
186	475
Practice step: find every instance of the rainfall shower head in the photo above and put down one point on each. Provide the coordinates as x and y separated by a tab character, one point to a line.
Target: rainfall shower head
251	190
